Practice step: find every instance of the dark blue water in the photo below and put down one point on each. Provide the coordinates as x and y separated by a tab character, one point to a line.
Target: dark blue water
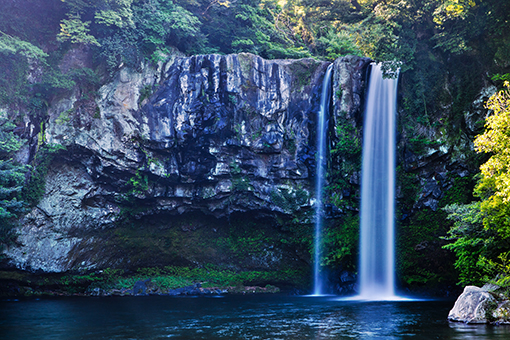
233	317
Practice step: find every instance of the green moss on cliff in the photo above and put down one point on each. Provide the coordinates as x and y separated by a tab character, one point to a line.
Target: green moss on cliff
34	190
302	71
241	243
341	242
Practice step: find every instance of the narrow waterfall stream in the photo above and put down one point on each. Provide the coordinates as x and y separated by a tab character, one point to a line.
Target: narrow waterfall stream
322	127
377	254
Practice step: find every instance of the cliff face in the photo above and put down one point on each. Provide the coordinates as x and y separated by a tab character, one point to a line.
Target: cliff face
172	164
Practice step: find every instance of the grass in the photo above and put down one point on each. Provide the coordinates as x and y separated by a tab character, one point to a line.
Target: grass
160	280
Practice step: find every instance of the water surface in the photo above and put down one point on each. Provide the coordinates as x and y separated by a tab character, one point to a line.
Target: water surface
233	317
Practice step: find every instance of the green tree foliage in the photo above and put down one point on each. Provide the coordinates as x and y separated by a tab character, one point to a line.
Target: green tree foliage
337	44
481	232
16	55
162	23
494	186
115	13
251	28
470	241
12	178
75	30
10	45
322	28
27	27
451	16
110	13
472	25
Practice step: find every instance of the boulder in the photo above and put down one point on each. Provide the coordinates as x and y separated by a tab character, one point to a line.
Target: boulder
472	306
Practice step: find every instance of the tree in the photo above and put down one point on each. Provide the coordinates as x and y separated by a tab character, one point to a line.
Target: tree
161	23
471	242
10	45
75	30
115	13
481	231
15	56
494	186
12	178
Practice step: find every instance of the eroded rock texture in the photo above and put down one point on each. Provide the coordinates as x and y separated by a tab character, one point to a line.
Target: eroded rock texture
166	162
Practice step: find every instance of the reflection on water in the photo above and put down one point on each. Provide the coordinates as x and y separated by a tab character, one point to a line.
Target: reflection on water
463	331
234	317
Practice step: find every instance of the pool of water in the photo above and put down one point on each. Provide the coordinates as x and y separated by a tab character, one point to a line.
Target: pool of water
233	317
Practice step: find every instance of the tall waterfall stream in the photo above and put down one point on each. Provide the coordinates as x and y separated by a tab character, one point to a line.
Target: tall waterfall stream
377	246
322	130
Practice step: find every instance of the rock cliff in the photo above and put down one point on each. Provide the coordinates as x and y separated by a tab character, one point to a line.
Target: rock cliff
171	164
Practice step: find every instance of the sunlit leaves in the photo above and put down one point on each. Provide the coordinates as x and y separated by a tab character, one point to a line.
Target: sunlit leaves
500	268
452	9
481	231
494	186
75	30
496	140
106	12
389	33
453	28
338	44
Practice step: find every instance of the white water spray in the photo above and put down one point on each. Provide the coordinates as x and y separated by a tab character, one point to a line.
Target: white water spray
322	120
377	248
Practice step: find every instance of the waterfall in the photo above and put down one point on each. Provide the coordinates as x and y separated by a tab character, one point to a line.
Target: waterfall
322	127
377	254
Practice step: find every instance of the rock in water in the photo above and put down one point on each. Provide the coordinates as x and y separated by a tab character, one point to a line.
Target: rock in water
471	306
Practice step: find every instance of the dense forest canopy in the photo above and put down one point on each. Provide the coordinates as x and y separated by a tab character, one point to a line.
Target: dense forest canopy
423	35
446	50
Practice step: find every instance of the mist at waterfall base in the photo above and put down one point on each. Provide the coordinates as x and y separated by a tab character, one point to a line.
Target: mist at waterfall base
322	123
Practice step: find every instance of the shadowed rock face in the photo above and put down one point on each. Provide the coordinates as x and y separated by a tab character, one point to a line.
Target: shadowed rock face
205	136
233	122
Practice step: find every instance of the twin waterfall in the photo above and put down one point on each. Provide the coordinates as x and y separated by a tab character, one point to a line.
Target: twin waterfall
322	132
377	246
377	256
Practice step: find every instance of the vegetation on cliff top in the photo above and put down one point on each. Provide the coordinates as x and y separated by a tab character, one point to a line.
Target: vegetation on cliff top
427	37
